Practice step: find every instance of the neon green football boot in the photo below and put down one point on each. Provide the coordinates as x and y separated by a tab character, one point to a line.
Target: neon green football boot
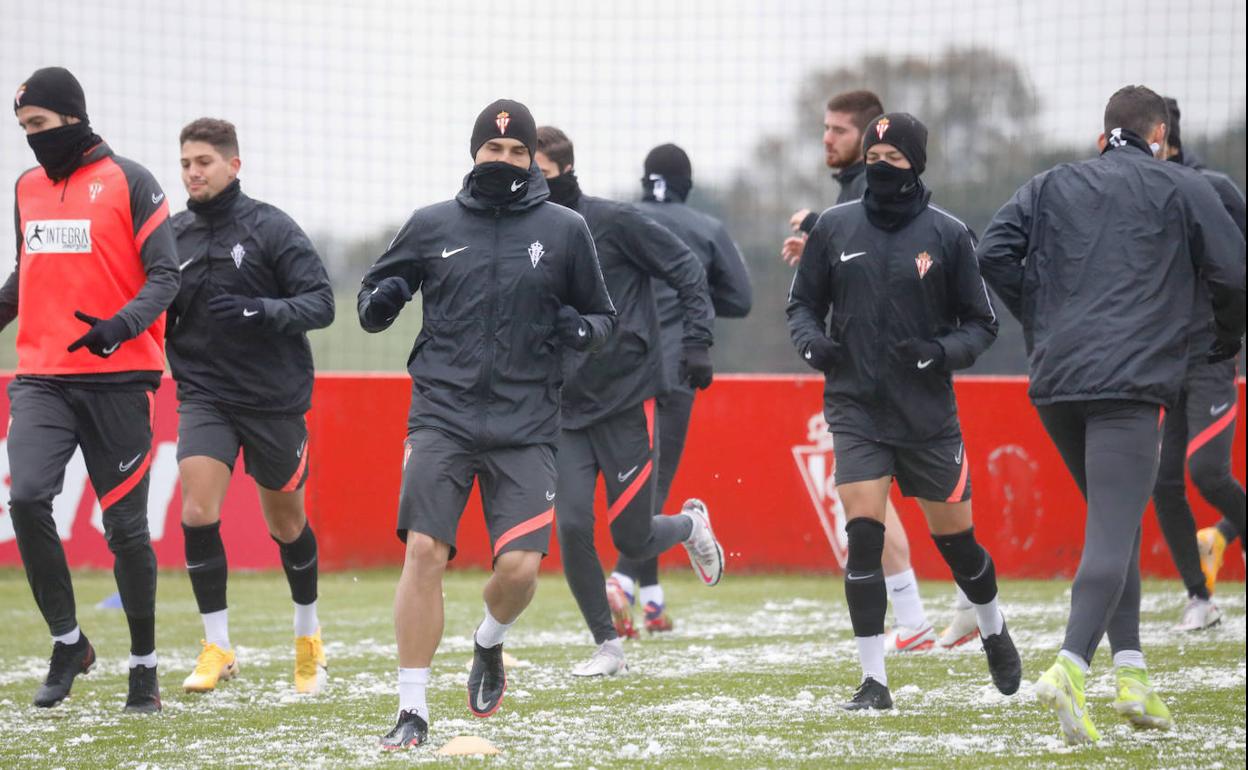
1138	702
1061	689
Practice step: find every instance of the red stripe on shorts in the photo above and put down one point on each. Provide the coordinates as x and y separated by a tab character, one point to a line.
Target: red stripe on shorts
1206	435
647	406
293	484
623	500
956	497
525	527
130	482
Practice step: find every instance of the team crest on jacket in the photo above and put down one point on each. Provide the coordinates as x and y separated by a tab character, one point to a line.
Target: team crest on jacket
237	253
535	252
817	464
501	120
924	263
94	189
881	127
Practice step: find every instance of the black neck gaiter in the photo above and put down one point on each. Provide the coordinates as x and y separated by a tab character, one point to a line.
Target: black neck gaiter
1124	137
498	183
60	150
666	187
217	205
564	189
894	195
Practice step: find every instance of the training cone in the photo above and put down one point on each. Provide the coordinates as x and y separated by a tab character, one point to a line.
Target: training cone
466	745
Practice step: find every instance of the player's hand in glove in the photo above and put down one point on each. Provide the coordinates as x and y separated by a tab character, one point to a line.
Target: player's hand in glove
104	336
921	354
386	300
823	354
236	311
695	367
573	331
1223	350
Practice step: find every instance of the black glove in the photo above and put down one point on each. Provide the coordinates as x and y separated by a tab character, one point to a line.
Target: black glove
823	354
921	354
387	299
104	336
695	367
236	311
1223	350
572	329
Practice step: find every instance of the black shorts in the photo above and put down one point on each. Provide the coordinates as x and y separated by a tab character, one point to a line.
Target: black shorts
275	449
936	472
517	491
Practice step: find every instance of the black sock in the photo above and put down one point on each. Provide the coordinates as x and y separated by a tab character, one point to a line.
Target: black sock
971	565
1228	530
1200	591
648	575
299	562
142	634
206	566
865	592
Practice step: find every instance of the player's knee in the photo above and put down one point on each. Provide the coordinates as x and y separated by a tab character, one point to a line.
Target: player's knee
128	535
426	556
196	513
575	530
1169	495
518	569
630	547
1207	473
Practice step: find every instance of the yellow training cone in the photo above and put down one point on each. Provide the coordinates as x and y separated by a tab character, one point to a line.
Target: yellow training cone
465	745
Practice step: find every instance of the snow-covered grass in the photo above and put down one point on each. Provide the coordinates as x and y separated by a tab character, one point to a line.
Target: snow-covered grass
750	678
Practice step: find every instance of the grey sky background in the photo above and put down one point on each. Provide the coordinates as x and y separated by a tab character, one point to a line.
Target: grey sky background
351	115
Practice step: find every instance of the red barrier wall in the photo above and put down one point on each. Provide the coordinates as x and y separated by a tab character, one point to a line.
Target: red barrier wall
757	454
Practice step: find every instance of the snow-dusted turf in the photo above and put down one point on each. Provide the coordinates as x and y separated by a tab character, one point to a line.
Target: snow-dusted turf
750	678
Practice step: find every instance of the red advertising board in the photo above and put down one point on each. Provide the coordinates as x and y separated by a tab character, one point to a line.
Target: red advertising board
757	454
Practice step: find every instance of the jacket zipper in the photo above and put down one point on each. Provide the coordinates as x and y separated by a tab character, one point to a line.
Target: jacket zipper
491	322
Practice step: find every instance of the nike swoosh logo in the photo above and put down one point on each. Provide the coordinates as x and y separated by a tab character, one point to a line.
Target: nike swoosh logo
852	576
899	590
123	467
303	446
302	567
1214	411
196	565
374	291
157	198
624	476
516	186
550	496
581	332
481	704
925	364
958	457
902	643
184	264
249	313
446	254
846	257
108	351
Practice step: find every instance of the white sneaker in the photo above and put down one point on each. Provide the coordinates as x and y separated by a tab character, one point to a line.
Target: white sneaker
705	553
903	639
607	660
962	629
1198	615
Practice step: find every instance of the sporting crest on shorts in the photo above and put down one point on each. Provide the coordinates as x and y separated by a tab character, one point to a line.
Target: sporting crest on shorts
237	253
536	252
501	120
816	461
924	263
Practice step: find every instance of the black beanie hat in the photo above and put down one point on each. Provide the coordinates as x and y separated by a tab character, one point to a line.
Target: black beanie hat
1172	125
903	131
668	161
53	88
504	118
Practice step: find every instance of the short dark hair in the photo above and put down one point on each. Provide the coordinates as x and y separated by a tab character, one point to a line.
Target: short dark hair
219	133
864	106
1135	108
555	145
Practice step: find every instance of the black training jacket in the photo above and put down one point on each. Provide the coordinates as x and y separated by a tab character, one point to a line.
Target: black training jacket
487	365
1098	260
251	249
629	369
727	277
1202	327
853	182
884	287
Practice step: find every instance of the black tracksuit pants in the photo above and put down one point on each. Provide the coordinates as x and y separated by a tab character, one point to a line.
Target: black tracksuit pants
675	409
50	419
622	448
1111	448
1199	434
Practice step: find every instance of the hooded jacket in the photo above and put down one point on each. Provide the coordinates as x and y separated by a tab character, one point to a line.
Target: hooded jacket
1099	260
727	276
250	249
487	365
629	369
920	281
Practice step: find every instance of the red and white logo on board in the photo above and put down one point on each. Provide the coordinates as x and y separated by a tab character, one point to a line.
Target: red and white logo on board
816	461
924	263
502	120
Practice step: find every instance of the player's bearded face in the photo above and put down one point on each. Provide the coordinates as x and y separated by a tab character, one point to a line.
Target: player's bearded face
842	141
205	171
